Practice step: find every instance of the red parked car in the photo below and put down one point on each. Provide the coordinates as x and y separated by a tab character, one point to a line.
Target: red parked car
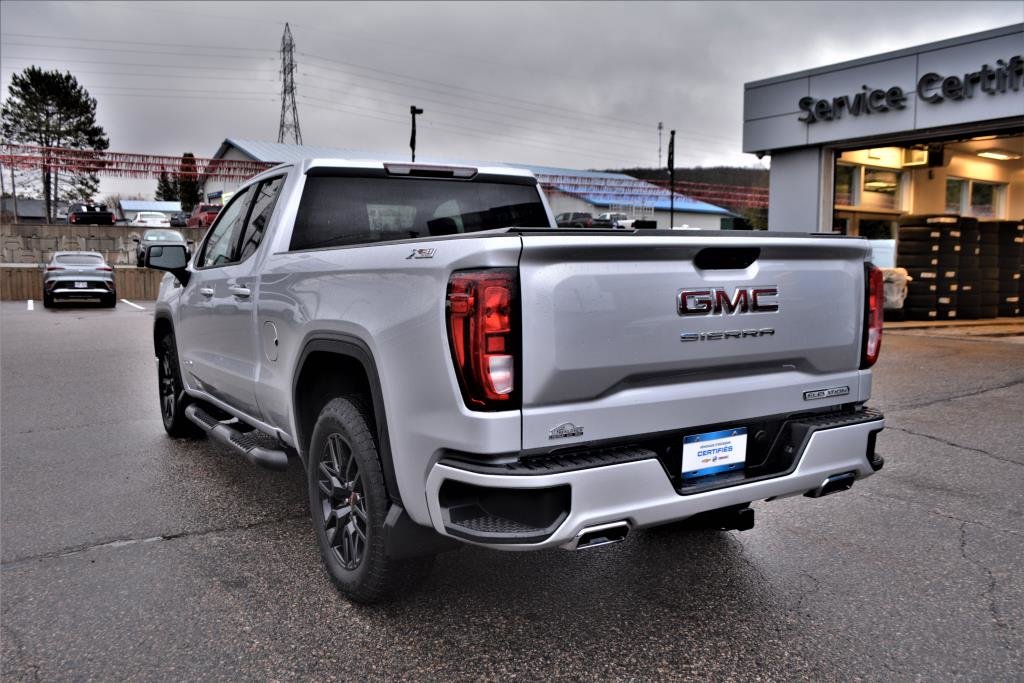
203	215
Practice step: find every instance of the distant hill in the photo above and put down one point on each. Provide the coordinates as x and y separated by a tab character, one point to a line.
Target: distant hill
721	175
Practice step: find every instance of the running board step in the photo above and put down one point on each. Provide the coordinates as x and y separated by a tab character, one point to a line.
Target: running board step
257	447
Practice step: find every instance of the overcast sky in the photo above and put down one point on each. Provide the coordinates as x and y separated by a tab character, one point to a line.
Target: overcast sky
580	85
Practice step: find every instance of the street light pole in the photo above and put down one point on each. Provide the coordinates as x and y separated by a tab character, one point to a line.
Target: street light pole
414	110
672	179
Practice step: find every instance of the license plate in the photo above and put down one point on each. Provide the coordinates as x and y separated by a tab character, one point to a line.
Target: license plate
81	285
714	452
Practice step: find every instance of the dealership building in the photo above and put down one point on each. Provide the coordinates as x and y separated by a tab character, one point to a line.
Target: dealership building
934	129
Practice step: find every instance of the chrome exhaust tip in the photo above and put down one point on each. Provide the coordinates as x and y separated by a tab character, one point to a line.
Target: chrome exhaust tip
602	534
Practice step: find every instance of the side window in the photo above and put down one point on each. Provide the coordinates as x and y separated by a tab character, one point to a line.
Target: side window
262	209
219	248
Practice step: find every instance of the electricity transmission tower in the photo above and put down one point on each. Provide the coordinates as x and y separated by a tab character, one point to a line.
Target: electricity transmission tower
289	126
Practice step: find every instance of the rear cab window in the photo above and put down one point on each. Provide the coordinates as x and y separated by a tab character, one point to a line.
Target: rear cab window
342	210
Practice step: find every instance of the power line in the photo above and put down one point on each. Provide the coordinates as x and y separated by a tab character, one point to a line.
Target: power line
473	133
623	142
115	49
145	64
141	42
503	100
138	74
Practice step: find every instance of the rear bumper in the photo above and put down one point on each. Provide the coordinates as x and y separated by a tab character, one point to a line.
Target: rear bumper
638	492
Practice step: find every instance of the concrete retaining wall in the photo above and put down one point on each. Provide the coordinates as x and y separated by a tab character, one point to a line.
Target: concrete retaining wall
36	243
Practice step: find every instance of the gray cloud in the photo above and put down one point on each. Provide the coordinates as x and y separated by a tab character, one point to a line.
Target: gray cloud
567	84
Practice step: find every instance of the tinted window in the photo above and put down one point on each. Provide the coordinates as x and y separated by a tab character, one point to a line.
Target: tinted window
162	236
262	209
219	248
80	259
338	211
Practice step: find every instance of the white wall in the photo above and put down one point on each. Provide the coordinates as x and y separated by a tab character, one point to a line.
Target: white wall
929	193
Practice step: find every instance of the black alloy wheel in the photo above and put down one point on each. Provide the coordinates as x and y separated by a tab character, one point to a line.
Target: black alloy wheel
172	397
343	502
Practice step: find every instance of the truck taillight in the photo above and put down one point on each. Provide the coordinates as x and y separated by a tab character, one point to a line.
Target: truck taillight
874	302
482	331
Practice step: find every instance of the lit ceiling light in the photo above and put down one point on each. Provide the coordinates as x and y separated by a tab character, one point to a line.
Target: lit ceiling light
999	154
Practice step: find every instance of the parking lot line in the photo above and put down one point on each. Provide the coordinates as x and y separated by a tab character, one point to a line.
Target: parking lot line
31	305
125	301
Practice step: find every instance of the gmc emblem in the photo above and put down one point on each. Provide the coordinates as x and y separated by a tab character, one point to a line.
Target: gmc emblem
716	300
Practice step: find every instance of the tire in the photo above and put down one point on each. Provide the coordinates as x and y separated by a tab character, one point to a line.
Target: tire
921	313
111	301
907	248
919	233
344	474
173	400
47	301
917	260
928	288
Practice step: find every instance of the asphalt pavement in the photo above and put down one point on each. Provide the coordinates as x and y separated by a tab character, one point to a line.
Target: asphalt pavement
125	555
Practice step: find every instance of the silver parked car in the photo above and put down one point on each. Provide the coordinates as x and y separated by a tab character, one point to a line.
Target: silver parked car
161	237
78	275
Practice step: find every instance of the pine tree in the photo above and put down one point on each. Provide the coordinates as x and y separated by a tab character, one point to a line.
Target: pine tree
51	109
166	188
189	183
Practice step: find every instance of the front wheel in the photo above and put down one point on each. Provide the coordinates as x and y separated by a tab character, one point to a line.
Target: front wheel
348	504
172	396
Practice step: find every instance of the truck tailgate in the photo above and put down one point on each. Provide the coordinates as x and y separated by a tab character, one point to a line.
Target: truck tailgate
603	329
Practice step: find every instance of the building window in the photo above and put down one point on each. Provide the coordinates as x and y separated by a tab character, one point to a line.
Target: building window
974	198
846	184
955	188
986	199
882	188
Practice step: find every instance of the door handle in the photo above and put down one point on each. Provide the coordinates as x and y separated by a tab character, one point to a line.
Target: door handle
240	292
206	291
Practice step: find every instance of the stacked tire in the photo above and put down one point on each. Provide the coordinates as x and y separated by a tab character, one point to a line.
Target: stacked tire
929	248
917	250
1010	241
988	261
969	290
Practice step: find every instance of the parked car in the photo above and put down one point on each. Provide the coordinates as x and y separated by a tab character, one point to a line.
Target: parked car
203	215
609	220
150	219
163	237
439	390
574	220
78	275
179	220
90	214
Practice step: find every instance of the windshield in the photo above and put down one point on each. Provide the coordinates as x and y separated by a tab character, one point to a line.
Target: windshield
151	215
163	236
337	211
79	259
209	207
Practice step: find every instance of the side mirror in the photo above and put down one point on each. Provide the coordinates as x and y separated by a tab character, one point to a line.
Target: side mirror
135	239
172	258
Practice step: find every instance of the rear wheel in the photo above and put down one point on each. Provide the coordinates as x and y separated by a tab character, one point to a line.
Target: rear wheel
348	504
47	301
172	397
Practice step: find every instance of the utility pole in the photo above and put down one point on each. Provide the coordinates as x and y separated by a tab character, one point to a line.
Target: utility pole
660	127
414	110
671	180
289	111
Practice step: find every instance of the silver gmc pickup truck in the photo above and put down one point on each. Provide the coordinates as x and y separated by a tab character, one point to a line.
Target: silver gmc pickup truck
450	367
